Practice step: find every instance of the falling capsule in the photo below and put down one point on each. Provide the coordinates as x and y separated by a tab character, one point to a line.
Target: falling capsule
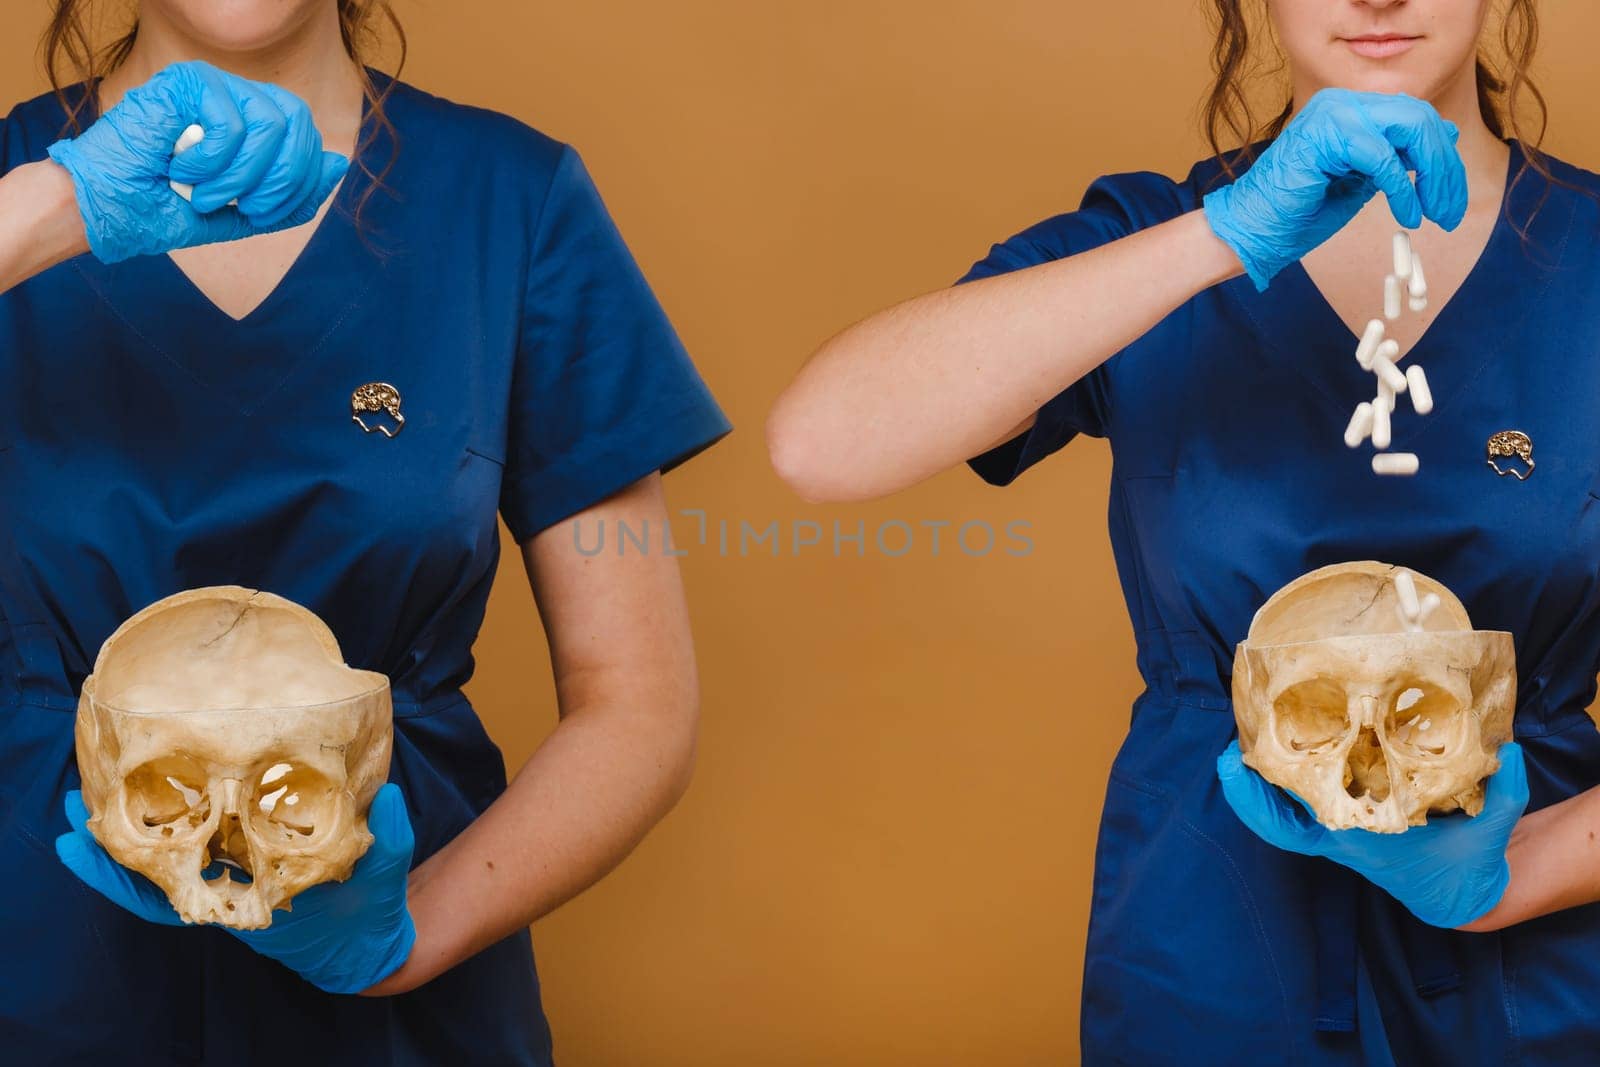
1429	603
1385	397
1388	373
1360	425
1369	343
1391	298
1404	258
1418	286
1380	425
1421	395
1406	587
1395	463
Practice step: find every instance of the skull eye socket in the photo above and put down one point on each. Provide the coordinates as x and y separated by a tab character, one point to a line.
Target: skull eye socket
1419	719
1311	715
291	802
167	797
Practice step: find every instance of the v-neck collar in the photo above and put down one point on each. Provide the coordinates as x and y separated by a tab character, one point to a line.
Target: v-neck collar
1297	324
1296	275
243	361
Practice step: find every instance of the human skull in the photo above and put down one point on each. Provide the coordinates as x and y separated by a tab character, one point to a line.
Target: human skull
1372	717
222	726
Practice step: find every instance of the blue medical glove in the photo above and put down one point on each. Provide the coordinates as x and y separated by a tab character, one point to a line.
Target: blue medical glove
1341	148
342	937
345	936
1448	872
95	868
260	148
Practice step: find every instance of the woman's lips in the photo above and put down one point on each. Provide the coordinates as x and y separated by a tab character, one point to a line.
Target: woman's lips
1384	46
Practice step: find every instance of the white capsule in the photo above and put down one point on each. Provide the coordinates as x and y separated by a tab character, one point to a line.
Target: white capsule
1360	425
191	136
1421	395
1380	425
1407	590
1388	373
1429	602
1419	281
1403	256
1369	343
1385	397
1418	303
1395	463
1391	298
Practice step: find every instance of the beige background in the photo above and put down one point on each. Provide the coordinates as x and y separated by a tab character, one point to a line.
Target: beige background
885	857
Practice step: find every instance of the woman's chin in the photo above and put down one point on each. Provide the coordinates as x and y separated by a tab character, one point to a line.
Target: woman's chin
238	26
1365	77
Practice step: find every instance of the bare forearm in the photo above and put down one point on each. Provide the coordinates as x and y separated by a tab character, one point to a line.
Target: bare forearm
585	799
924	385
39	222
1554	857
626	681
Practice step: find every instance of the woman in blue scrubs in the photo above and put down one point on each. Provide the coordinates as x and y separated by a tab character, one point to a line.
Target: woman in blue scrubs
173	421
1206	327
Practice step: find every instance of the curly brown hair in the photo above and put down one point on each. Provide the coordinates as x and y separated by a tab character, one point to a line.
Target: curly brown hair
1504	84
68	47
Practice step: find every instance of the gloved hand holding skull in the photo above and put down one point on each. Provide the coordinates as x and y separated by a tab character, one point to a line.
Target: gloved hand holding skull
1372	725
229	761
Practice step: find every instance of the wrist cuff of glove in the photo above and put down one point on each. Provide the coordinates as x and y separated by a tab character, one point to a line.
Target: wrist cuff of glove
1215	205
1490	900
1453	914
101	245
382	967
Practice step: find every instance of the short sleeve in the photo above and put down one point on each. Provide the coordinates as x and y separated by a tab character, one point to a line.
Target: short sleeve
1114	207
23	136
603	392
7	150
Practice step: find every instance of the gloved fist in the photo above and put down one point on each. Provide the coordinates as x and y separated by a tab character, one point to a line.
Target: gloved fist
342	937
260	148
1341	148
1447	872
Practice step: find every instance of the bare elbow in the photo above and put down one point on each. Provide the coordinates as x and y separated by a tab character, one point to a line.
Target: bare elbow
799	457
791	454
681	761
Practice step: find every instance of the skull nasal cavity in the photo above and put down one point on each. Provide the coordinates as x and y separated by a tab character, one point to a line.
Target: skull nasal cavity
1367	771
229	845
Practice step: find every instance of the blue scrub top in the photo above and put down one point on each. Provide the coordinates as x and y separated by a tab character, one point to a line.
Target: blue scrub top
1230	478
151	443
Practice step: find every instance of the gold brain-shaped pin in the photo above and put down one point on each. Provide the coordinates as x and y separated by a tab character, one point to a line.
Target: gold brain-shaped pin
375	397
1511	444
